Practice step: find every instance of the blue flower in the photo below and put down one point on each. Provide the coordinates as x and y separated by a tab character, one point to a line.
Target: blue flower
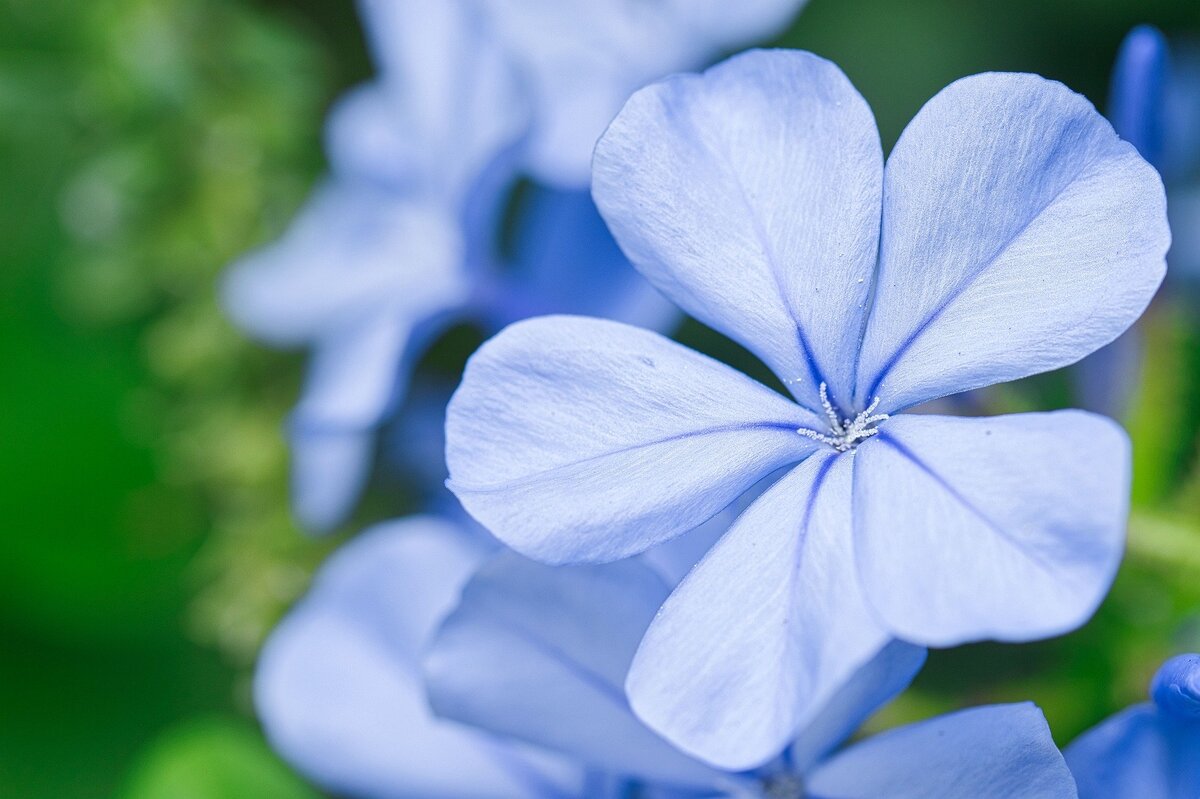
1151	750
581	59
527	669
1018	234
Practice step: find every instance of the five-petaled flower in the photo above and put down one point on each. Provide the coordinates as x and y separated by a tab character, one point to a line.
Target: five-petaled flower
1011	232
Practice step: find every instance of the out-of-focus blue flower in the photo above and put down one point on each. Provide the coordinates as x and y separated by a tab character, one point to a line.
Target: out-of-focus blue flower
1154	104
529	669
338	686
1018	235
398	243
1151	750
581	59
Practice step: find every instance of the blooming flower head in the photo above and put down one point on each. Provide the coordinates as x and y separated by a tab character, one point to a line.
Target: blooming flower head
1011	232
1151	750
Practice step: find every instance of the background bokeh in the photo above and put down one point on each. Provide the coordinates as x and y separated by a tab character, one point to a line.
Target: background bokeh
145	541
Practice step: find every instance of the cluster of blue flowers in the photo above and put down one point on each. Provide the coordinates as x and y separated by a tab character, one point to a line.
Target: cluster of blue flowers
671	580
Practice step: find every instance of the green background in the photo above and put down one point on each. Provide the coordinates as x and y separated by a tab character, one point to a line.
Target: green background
144	540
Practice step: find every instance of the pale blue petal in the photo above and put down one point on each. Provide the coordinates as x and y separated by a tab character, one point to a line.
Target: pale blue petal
731	25
759	636
450	83
1008	527
354	381
1138	91
579	61
1019	235
353	250
750	196
337	685
329	469
582	439
540	654
875	684
675	558
994	752
567	262
352	374
1140	753
366	140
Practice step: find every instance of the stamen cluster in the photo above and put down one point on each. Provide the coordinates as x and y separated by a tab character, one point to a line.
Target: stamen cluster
844	434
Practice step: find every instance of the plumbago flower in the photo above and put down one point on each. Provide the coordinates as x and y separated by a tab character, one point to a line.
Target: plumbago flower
527	668
1011	232
1151	750
397	244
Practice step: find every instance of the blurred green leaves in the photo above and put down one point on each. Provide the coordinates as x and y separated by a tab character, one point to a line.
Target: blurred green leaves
212	758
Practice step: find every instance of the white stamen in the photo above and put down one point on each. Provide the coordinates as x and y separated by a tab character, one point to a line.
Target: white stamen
844	434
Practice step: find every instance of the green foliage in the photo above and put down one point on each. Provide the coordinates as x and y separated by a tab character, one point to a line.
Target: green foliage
212	759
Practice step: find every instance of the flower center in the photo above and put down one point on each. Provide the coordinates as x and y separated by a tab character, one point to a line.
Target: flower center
845	434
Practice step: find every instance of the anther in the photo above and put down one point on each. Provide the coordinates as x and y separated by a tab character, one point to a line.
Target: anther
845	434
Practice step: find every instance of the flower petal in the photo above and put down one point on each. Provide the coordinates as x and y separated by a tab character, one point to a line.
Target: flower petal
994	752
1009	527
761	634
447	83
581	439
329	468
337	685
351	251
875	684
729	25
540	654
580	60
750	196
1137	754
1019	234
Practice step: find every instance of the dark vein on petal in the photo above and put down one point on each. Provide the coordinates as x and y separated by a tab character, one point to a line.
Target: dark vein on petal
806	352
966	282
529	479
1029	552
